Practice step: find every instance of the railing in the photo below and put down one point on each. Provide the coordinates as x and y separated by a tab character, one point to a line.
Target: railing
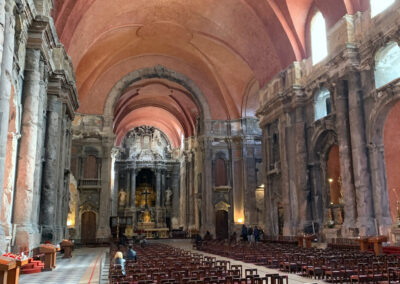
89	183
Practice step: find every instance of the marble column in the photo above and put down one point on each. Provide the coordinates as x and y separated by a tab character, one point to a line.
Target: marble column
158	187
27	233
7	35
362	179
342	130
133	188
51	174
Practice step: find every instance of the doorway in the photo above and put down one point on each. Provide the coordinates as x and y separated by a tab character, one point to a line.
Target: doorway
221	224
88	227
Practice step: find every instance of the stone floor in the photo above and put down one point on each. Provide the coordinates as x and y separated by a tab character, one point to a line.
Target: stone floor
83	267
90	265
293	279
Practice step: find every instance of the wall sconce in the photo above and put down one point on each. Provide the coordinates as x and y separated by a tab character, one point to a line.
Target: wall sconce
330	180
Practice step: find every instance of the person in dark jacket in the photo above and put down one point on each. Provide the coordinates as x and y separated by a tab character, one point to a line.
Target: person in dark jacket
244	233
131	254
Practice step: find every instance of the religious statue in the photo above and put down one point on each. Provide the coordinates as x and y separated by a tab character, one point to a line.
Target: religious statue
122	198
168	197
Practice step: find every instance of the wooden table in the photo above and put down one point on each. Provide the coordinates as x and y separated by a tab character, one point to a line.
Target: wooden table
304	241
67	246
49	256
9	271
364	245
377	241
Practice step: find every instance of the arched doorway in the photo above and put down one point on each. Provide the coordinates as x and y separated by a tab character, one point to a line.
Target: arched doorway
88	227
221	224
392	158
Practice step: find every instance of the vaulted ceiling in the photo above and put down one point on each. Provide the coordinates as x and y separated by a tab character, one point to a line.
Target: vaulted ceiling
228	48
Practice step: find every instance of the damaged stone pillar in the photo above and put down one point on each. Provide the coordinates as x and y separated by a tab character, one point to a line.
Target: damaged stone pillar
52	176
8	22
304	207
103	230
27	234
362	179
342	129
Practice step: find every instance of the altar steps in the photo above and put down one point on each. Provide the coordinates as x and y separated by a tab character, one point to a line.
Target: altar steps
33	266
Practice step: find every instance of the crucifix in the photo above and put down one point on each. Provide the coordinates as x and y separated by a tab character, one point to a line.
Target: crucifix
146	193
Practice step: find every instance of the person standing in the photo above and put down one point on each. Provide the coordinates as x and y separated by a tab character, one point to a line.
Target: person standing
119	259
244	233
250	234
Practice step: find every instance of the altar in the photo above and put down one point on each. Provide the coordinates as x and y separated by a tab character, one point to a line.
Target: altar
147	182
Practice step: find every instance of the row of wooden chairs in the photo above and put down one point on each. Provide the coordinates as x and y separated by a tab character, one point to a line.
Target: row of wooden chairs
159	263
331	264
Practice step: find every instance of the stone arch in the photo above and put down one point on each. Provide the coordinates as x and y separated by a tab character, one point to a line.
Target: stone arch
324	139
164	73
386	98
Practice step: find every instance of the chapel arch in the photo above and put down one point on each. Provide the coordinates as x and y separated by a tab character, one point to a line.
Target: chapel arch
163	73
328	194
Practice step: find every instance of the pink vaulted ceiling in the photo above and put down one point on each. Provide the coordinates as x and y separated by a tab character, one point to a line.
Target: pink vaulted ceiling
228	48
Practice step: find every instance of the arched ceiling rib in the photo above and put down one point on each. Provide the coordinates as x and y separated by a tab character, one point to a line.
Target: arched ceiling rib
228	48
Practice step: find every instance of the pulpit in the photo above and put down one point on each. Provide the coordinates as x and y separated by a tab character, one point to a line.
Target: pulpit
377	241
363	243
67	246
49	251
305	240
9	271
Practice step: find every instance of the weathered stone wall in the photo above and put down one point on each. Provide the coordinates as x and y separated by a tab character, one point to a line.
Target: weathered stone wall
355	124
34	67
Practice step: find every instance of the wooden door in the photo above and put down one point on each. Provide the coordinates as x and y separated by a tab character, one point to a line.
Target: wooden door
88	227
221	224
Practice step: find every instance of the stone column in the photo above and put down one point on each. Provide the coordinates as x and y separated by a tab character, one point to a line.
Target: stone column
115	192
103	230
380	190
362	179
133	188
304	215
27	235
158	187
7	35
342	130
51	176
128	187
60	223
175	198
7	57
163	188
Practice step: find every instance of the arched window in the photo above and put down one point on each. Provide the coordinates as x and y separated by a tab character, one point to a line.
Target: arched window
378	6
221	178
319	45
387	64
90	170
322	103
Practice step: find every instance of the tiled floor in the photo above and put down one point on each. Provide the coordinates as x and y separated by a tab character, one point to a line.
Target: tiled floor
293	279
83	267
